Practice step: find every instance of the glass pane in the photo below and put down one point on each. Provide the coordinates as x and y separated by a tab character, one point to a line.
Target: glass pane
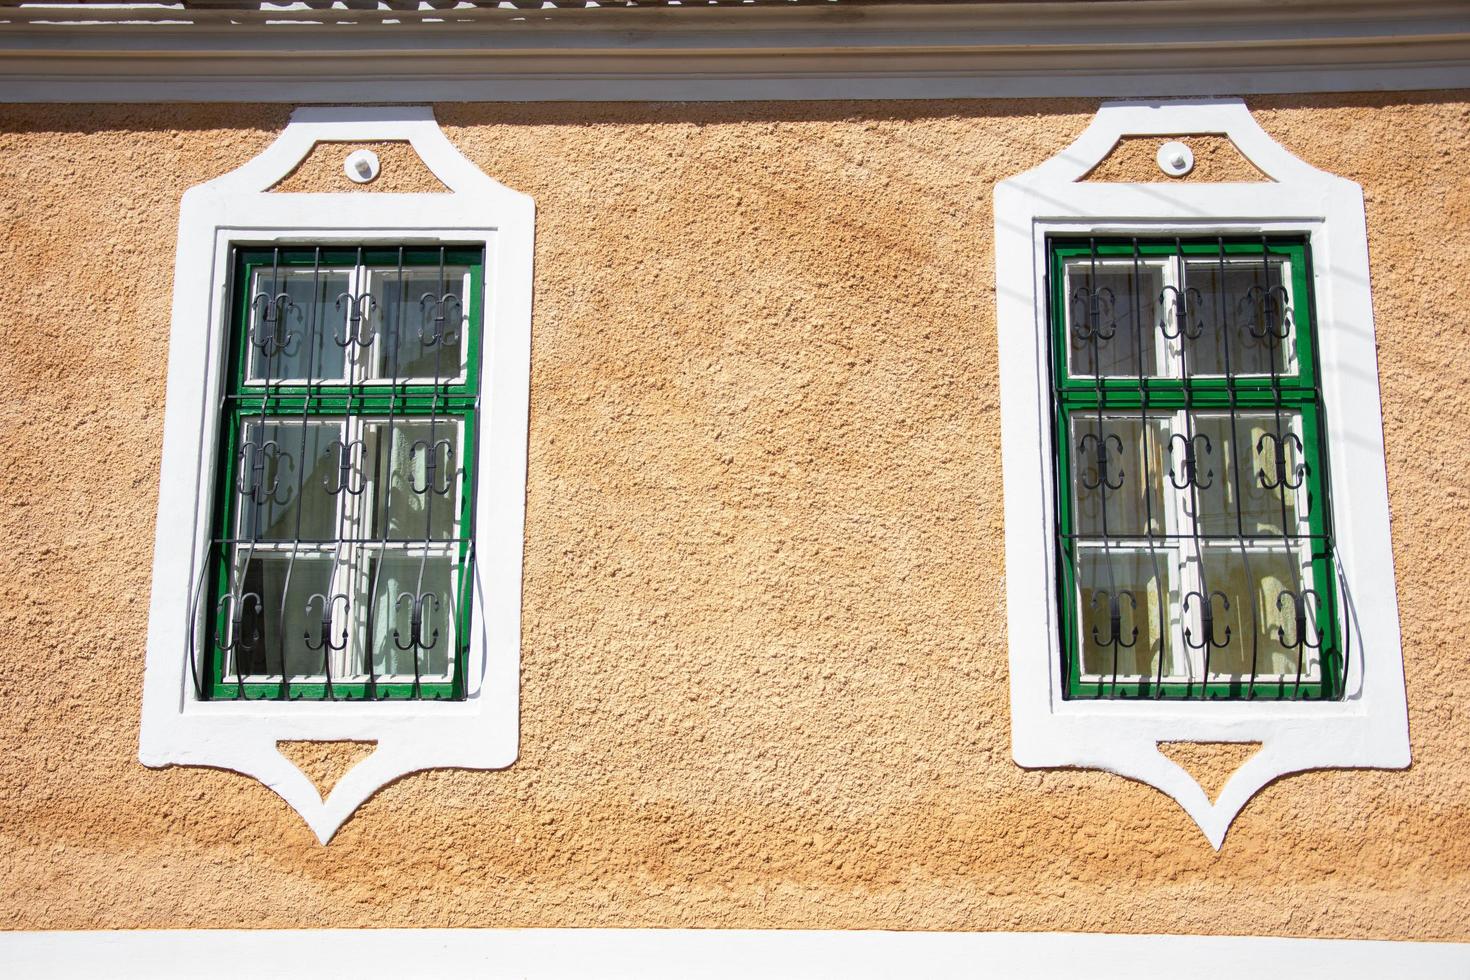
1248	474
418	476
413	604
296	319
426	319
1242	317
281	497
1127	596
1253	621
280	607
1118	473
1112	316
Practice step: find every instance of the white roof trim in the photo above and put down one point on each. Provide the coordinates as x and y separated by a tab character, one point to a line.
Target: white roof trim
713	954
296	53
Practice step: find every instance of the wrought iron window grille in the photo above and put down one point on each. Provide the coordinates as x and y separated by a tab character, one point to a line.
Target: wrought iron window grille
343	546
1192	528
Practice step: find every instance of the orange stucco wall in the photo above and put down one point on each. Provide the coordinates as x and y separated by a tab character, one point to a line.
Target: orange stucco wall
764	671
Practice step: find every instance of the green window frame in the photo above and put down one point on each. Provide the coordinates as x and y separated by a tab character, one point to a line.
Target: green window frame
1193	525
342	544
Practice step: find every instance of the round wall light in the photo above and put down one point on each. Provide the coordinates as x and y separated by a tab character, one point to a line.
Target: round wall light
1175	158
361	166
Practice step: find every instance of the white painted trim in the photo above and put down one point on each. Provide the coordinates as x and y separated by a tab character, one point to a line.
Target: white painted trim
648	954
1008	48
480	732
1369	728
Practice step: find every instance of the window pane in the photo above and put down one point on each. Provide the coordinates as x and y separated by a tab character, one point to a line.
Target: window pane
1241	318
1112	316
425	320
418	474
1249	473
1127	595
1253	618
296	318
284	473
280	601
1118	474
413	603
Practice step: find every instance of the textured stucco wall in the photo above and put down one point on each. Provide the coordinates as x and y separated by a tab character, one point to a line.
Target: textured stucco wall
764	677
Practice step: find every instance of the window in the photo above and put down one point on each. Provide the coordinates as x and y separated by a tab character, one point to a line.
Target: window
1196	506
340	562
343	483
1193	537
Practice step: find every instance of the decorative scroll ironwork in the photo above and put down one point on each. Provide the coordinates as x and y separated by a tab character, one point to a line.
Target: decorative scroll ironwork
233	606
356	329
438	477
1301	636
1181	304
270	334
361	473
326	640
1097	322
1269	314
348	473
1193	472
1205	608
416	639
1191	447
1278	479
1099	453
439	325
250	481
1115	618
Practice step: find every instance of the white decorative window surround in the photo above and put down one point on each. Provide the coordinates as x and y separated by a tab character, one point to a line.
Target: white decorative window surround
479	732
1369	726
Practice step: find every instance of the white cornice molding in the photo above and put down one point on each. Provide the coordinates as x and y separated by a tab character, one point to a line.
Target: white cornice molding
308	53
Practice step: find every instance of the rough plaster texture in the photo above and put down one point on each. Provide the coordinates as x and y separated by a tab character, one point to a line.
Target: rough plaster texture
400	171
1210	763
1135	158
324	763
764	662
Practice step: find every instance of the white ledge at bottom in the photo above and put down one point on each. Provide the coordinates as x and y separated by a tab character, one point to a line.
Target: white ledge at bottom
712	953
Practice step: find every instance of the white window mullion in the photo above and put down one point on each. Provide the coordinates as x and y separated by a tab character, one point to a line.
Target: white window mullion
1189	558
350	514
336	659
1170	350
360	358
